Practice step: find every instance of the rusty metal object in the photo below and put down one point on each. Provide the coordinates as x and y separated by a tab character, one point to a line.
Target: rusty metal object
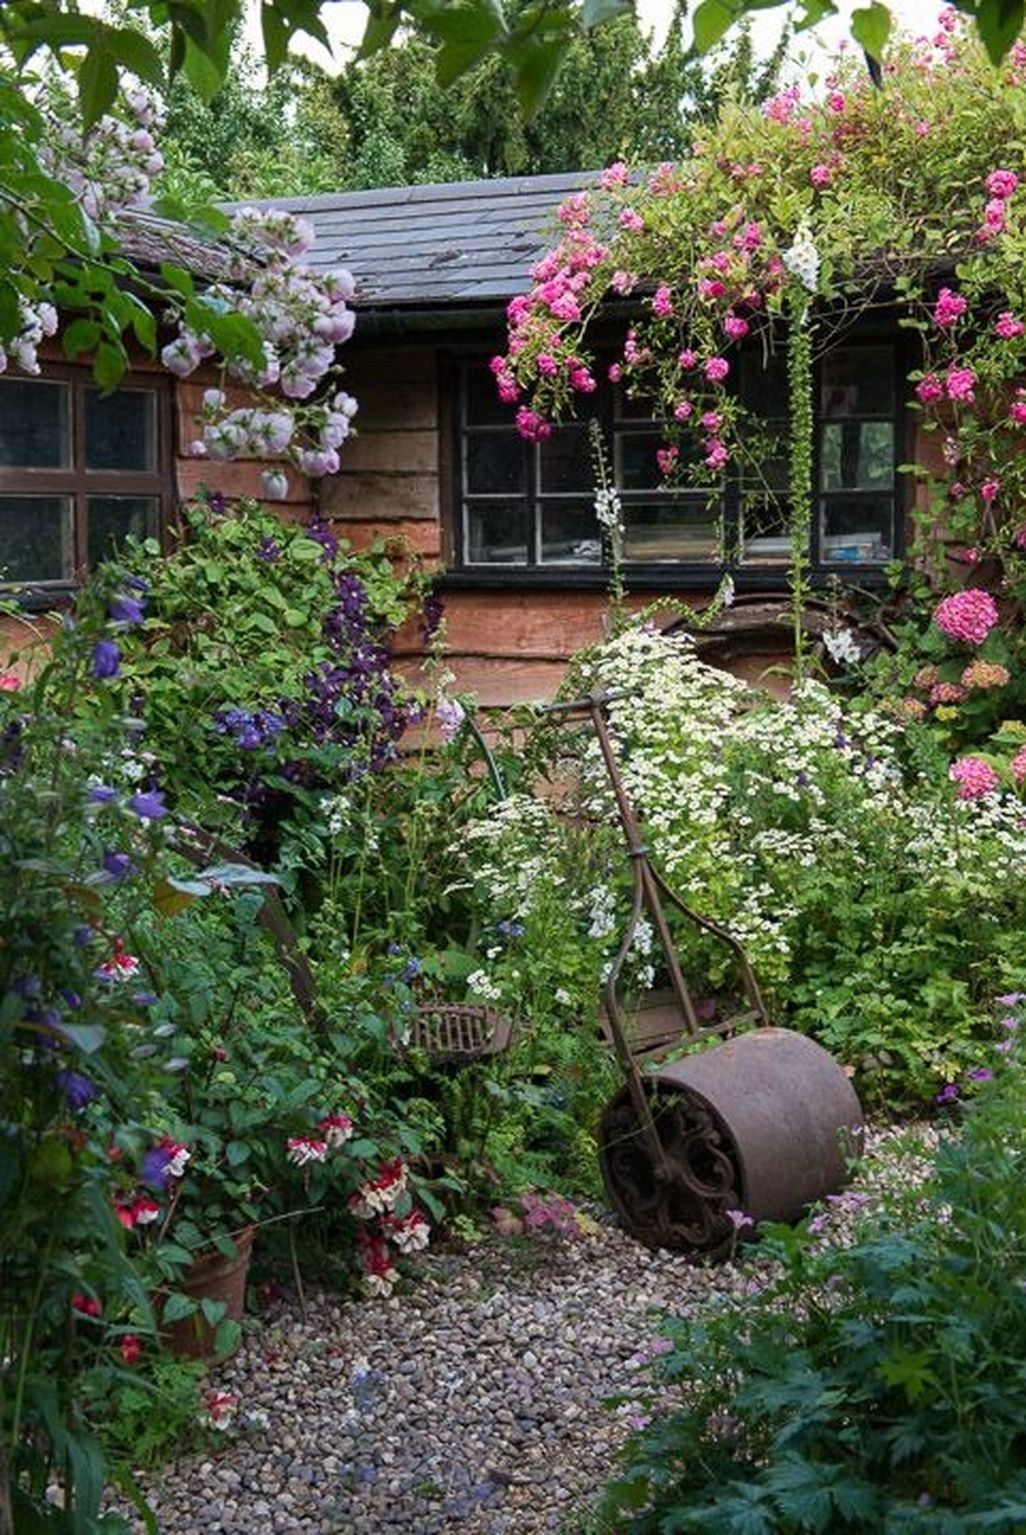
762	1125
454	1032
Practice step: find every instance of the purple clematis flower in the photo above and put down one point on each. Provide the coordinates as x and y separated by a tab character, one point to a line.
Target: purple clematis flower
155	1168
77	1089
948	1093
116	867
149	805
127	610
106	660
102	794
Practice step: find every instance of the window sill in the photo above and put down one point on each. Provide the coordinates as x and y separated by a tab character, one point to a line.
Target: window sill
691	578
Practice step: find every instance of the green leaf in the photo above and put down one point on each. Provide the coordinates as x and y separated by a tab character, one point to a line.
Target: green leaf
87	1037
871	27
177	278
178	1307
80	336
97	84
110	365
999	23
51	1163
712	20
213	1310
233	874
381	27
237	1152
227	1337
136	53
536	73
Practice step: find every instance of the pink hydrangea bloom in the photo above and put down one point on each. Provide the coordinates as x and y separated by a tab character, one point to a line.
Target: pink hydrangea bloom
967	616
949	308
946	693
960	384
1007	327
716	369
974	777
1001	184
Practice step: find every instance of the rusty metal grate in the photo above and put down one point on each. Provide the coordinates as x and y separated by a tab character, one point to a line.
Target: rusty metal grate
458	1031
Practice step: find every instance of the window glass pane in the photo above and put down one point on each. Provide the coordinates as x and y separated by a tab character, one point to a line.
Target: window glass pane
570	535
764	383
642	407
858	381
494	462
35	538
34	425
667	530
482	406
857	529
765	530
112	518
636	465
497	533
564	460
120	430
857	455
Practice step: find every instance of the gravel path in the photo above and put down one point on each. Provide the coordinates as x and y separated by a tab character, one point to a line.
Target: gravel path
474	1403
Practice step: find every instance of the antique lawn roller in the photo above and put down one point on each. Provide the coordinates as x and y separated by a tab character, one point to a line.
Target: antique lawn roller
759	1125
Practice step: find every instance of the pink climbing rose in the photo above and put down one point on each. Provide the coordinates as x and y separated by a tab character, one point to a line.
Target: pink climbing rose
960	384
949	308
1001	184
967	616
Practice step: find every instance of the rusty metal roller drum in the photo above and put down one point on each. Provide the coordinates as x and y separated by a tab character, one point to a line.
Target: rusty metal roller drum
761	1125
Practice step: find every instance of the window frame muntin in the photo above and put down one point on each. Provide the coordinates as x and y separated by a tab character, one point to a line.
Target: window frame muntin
671	574
79	483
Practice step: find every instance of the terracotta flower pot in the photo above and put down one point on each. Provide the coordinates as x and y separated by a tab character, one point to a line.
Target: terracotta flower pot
212	1276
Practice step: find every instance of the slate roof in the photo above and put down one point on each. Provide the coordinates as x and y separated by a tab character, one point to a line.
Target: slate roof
452	244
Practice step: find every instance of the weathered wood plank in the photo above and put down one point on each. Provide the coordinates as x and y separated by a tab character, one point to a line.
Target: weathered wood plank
382	497
235	480
388	405
388	451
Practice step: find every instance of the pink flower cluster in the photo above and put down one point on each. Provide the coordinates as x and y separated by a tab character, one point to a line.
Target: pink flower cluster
1018	766
1000	186
967	616
949	308
974	777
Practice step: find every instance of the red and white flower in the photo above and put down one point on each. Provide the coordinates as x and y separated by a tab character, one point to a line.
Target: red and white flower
382	1193
177	1156
336	1130
301	1149
219	1408
410	1233
136	1210
379	1277
120	966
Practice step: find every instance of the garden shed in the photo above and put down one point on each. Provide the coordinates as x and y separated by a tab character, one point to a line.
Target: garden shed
438	464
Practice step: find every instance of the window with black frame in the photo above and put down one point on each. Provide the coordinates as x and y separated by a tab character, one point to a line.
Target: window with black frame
530	506
79	470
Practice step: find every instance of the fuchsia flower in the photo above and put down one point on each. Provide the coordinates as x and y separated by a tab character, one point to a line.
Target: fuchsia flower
301	1149
410	1233
219	1408
383	1192
949	308
974	778
379	1277
136	1210
1007	327
967	616
336	1129
85	1305
130	1348
120	966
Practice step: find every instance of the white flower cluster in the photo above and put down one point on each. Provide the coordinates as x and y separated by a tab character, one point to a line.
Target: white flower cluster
113	166
802	259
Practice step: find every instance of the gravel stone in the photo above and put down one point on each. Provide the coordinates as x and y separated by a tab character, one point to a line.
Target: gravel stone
473	1403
